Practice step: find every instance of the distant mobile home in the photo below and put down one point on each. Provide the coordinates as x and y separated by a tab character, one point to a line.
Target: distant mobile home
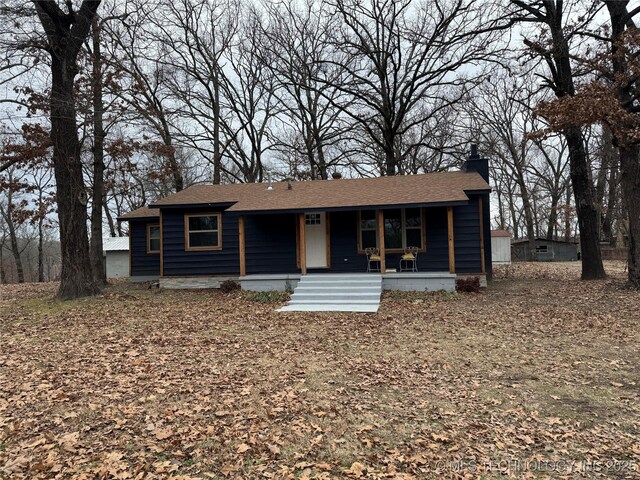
501	247
545	251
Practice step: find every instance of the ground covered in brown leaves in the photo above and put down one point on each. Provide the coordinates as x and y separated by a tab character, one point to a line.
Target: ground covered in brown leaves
537	376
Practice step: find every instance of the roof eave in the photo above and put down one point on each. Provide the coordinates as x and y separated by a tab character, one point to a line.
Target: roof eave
452	203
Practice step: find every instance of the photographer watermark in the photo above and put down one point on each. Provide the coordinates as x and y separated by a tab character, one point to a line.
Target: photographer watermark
540	466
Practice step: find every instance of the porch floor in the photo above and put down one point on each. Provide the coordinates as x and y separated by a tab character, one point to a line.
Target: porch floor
336	293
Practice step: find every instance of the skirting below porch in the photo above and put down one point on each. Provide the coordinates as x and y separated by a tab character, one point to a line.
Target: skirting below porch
187	283
406	281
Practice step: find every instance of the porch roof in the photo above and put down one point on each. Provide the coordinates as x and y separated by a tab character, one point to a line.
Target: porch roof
431	188
140	213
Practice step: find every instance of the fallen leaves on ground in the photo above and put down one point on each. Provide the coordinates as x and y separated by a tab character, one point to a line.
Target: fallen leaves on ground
147	384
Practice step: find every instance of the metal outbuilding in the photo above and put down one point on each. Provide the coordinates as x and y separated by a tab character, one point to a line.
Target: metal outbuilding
501	247
116	256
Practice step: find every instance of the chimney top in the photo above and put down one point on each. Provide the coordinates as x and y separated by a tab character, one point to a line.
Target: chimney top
474	151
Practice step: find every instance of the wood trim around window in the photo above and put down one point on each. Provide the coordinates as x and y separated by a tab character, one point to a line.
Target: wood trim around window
187	248
149	226
423	228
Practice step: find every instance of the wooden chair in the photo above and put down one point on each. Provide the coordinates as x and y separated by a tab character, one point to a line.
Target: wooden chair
409	260
373	257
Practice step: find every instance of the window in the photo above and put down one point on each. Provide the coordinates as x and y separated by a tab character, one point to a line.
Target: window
153	238
312	219
402	228
368	232
541	249
202	232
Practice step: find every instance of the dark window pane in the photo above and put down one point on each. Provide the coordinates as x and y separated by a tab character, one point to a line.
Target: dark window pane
393	228
154	231
203	239
368	238
154	245
395	214
368	214
209	222
368	224
412	216
414	237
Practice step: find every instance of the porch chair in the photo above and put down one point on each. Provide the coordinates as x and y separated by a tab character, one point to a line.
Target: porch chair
373	257
409	260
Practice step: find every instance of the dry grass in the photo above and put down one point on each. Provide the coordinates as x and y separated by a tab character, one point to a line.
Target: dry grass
152	384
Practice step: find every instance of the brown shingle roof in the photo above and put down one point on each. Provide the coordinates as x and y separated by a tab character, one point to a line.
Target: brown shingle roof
142	212
446	187
500	233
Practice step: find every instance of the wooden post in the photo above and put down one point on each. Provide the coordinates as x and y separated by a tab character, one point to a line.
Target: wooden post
383	265
452	251
243	263
303	246
480	214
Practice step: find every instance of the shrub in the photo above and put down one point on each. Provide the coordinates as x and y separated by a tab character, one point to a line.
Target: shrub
229	286
469	284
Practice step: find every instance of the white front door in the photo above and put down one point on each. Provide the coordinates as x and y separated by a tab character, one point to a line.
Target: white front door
315	236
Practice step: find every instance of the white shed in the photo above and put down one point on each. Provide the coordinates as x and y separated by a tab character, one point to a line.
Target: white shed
500	247
116	256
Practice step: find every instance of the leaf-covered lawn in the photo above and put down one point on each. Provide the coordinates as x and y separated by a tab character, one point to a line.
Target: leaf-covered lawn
538	369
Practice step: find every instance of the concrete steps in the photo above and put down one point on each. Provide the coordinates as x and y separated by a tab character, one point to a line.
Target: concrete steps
336	293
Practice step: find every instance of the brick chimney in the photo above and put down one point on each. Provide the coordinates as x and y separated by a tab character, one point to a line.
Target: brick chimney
476	164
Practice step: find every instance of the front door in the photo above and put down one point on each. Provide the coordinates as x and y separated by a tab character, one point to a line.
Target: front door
315	235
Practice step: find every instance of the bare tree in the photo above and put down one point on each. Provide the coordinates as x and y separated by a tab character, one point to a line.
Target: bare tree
66	31
196	34
557	56
140	81
250	95
297	42
397	55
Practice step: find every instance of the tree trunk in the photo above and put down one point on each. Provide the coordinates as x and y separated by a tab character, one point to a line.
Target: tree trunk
66	33
13	238
96	250
626	143
3	275
110	222
630	179
217	154
612	200
553	215
586	210
76	278
567	217
15	250
41	249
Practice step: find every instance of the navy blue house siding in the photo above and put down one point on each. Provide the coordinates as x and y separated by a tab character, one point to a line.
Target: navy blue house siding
344	244
270	243
466	237
343	233
143	264
178	262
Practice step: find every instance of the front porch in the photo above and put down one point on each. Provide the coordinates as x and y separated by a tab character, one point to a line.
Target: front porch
405	281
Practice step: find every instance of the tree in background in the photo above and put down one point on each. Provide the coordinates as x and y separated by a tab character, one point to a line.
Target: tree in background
66	31
553	48
613	99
